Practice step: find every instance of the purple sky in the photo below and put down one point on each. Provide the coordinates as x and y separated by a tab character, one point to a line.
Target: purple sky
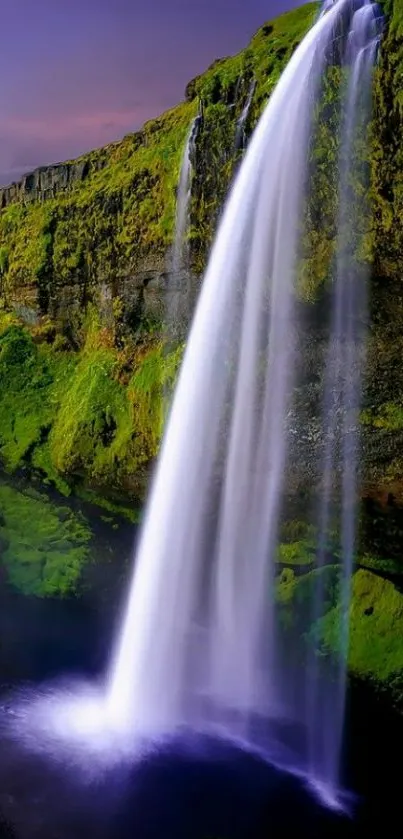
75	74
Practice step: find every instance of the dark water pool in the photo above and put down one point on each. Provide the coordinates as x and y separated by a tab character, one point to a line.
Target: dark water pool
189	790
179	793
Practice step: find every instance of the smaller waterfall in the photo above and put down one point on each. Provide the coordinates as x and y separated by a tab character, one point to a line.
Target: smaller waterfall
343	372
240	137
179	291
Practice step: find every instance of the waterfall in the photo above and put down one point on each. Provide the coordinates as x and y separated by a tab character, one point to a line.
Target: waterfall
240	138
202	643
343	373
179	291
198	640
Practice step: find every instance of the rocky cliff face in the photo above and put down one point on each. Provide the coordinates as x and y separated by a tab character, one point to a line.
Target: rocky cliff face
99	228
84	270
45	182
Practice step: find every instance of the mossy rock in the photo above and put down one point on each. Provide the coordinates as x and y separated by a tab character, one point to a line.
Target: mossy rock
296	553
376	628
293	589
98	412
375	620
44	546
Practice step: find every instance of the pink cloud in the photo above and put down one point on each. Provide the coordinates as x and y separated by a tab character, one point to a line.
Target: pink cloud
72	125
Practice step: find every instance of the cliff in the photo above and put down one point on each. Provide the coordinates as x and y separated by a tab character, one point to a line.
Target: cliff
84	250
84	265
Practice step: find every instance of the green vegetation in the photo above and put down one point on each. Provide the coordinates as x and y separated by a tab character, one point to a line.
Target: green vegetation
103	224
71	414
376	620
43	546
376	628
117	217
32	381
96	500
293	590
296	553
383	565
123	210
296	595
299	540
388	416
82	362
223	90
82	268
376	610
378	544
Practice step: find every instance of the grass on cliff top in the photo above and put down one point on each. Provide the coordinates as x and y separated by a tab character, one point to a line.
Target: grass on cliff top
123	212
43	546
124	209
265	57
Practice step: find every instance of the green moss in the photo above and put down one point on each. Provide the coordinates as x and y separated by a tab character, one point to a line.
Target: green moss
296	595
376	619
297	553
299	543
4	262
294	590
44	546
388	416
93	421
376	627
72	414
105	427
121	509
93	242
286	586
383	565
117	214
223	90
109	218
31	381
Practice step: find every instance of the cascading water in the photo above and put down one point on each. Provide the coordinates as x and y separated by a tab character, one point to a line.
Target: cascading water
199	637
240	138
342	378
179	291
200	640
183	197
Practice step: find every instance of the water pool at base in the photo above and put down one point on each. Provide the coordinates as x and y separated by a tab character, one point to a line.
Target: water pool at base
193	788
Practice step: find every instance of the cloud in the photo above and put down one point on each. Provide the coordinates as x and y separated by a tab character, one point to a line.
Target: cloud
27	142
51	128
